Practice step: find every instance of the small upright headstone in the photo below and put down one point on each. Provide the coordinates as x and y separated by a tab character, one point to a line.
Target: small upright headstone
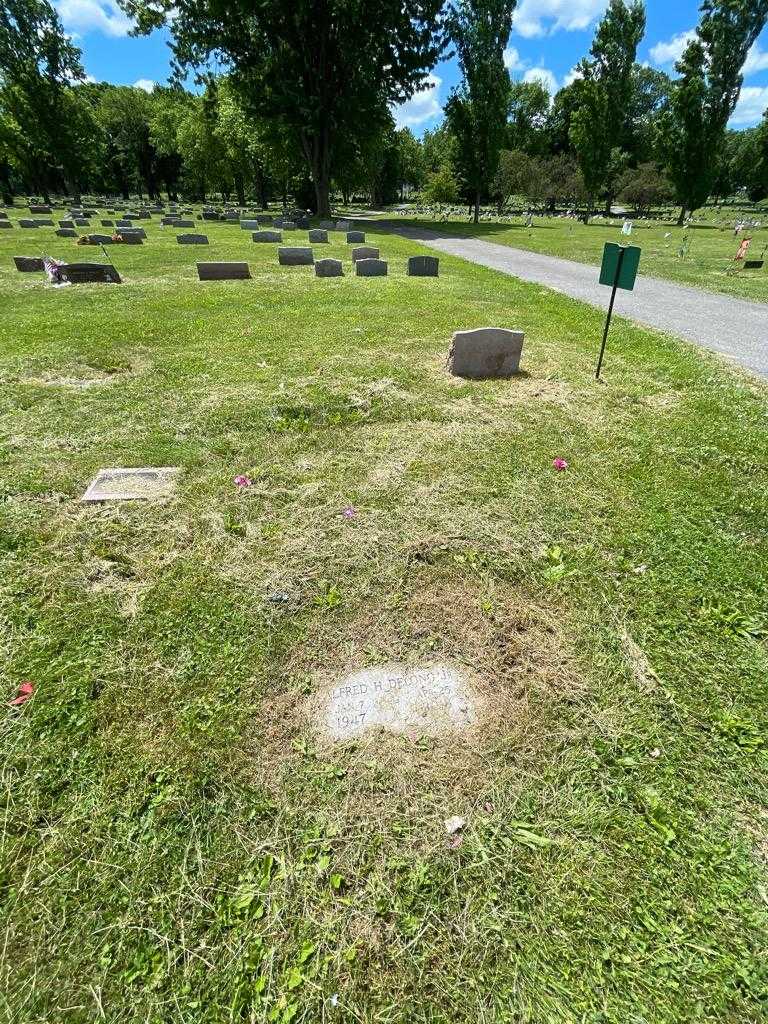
318	235
232	271
169	222
289	256
81	222
365	252
107	223
328	268
328	225
289	225
371	268
249	225
5	224
485	352
132	237
138	232
343	225
423	266
355	236
96	239
184	223
267	236
123	223
29	264
89	273
66	223
66	233
192	239
210	215
266	218
40	209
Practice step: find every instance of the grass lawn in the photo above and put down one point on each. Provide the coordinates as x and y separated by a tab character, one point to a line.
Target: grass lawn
179	846
706	265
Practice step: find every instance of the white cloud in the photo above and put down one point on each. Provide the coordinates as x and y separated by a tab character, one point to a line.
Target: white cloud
757	60
544	17
752	102
572	75
423	106
671	51
543	75
82	16
512	60
144	83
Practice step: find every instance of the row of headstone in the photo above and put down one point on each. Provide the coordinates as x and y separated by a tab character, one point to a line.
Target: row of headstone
365	266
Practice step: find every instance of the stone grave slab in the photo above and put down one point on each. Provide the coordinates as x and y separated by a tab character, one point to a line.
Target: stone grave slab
132	237
192	239
96	239
107	223
266	218
343	225
170	222
5	224
184	224
267	236
249	225
210	215
66	232
295	256
232	271
29	264
485	352
328	268
289	225
428	700
328	225
66	223
355	236
365	252
423	266
89	273
81	222
371	268
125	484
318	235
40	209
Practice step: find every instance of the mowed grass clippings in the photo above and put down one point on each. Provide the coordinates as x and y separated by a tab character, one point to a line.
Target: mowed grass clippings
701	256
179	842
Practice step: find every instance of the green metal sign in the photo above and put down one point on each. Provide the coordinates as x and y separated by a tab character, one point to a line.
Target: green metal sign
619	267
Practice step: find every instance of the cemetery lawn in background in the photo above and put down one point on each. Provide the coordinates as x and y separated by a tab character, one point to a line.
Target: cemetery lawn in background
180	846
706	264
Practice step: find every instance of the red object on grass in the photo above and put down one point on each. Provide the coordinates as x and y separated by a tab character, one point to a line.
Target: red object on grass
25	693
560	464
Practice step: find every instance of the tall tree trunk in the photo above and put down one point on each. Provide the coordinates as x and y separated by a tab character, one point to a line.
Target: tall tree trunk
681	218
476	216
240	189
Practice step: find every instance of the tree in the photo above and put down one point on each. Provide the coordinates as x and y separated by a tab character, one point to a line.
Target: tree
323	71
516	175
692	130
477	110
590	138
442	186
644	187
601	124
438	147
124	113
38	64
410	161
527	117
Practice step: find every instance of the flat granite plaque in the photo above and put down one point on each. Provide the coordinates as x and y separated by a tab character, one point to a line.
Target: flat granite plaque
124	484
430	700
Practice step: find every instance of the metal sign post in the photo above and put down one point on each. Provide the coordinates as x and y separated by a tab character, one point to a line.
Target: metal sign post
618	270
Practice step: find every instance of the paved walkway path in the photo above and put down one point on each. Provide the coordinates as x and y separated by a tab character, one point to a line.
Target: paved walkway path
733	327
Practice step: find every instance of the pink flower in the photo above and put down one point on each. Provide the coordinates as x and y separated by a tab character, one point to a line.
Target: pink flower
24	694
559	464
243	481
349	512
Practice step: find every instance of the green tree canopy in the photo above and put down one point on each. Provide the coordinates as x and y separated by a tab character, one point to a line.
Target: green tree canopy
322	71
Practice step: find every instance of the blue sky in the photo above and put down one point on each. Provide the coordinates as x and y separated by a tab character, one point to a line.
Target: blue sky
548	38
